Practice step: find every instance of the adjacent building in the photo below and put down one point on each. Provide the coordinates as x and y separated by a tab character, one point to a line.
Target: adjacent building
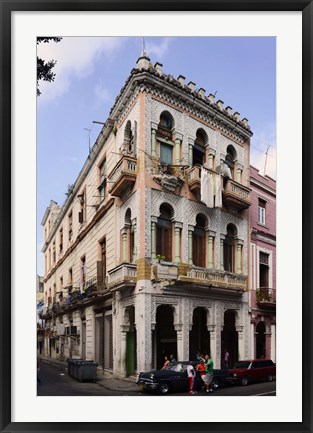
39	309
149	254
263	266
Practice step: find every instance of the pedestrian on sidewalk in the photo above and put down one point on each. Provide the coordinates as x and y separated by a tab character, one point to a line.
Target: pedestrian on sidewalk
225	359
191	378
208	377
166	364
172	360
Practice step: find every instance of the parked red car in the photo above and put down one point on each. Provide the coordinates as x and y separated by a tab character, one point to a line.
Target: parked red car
253	370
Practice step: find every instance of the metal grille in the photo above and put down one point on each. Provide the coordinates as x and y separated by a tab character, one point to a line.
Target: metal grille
108	342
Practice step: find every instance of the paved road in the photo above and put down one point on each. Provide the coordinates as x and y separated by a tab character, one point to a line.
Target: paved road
56	382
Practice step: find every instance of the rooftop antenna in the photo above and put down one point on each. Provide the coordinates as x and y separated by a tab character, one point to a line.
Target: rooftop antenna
144	50
266	158
86	129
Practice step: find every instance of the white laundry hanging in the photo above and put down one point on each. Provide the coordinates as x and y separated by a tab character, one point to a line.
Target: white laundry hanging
210	189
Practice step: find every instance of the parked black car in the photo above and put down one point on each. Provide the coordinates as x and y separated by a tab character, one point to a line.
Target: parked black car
175	379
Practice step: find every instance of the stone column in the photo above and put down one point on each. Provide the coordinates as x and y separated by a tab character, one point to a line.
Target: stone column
241	342
239	175
177	150
134	224
215	344
124	242
180	349
154	127
177	229
239	256
211	154
222	237
273	342
124	330
252	340
190	230
190	146
153	237
211	236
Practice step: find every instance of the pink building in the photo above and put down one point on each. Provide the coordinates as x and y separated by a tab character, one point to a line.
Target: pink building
263	266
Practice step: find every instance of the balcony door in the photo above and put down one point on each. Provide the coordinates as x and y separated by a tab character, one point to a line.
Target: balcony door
198	247
164	239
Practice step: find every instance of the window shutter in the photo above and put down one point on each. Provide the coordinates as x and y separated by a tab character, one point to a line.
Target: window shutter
80	217
99	272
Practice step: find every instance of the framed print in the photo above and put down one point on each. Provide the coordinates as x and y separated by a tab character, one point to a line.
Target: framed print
162	248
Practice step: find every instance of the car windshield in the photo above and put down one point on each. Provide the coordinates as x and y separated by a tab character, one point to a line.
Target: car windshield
177	367
242	364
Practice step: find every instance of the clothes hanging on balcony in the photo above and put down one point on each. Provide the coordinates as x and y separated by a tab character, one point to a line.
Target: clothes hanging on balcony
218	190
211	188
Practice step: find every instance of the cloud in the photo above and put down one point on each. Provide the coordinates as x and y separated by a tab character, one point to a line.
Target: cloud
76	57
101	92
157	49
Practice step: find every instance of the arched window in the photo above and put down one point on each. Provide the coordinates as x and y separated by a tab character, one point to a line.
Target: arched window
164	232
128	138
231	157
166	120
165	135
198	242
198	151
229	248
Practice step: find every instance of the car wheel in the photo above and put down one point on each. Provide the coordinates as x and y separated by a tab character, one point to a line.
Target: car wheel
164	388
244	381
216	383
269	378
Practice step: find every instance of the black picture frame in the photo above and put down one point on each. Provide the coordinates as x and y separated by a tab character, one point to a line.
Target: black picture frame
6	8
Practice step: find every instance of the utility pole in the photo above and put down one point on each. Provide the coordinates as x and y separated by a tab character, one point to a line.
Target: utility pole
266	158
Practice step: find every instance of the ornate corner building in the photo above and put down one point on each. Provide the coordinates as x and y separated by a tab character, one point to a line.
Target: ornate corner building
149	255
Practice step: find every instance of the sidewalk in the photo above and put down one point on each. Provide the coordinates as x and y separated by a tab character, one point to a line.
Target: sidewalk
104	378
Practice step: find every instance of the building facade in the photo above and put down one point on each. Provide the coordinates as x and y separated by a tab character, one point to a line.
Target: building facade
263	266
149	253
39	309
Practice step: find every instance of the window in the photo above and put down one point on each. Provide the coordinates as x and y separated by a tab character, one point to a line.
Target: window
229	249
198	242
198	151
164	233
102	186
83	271
70	226
61	240
101	264
261	211
165	120
53	253
166	154
264	269
70	276
82	201
40	287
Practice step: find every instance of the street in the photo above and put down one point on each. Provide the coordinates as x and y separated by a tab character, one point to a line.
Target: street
54	381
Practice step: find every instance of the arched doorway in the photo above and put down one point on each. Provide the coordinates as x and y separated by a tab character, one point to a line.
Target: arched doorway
199	336
131	344
166	337
229	337
260	340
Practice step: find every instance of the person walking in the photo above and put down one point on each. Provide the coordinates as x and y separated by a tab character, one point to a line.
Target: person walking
201	369
208	373
172	360
166	364
225	359
191	378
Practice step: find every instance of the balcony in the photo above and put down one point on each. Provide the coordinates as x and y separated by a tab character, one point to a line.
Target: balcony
123	175
236	196
215	279
124	275
194	179
266	297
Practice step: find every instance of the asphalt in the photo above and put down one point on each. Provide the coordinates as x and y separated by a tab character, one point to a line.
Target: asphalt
104	378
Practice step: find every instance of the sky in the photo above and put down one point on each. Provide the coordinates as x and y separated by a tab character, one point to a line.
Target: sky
90	71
